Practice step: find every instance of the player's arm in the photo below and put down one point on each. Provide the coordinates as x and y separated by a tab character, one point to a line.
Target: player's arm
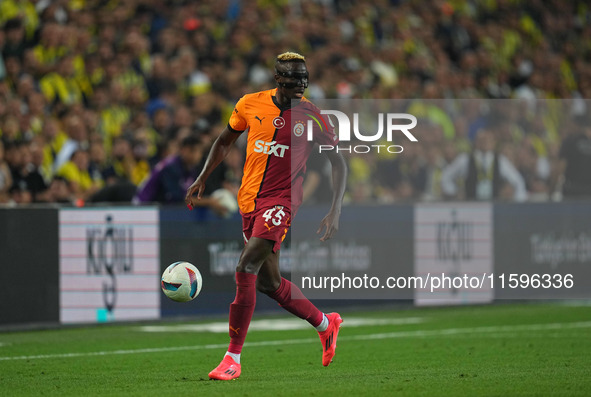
220	149
339	180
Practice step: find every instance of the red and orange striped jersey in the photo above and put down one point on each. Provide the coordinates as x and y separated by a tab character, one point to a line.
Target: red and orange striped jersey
277	148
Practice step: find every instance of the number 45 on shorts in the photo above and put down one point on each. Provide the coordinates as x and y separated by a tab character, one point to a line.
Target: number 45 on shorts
275	215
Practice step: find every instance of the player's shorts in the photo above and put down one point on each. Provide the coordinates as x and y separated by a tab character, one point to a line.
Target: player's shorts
268	222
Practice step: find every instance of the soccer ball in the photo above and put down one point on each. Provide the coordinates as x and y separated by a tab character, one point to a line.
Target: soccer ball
181	282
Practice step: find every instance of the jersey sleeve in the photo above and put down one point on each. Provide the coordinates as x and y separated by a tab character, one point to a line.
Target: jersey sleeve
238	121
324	131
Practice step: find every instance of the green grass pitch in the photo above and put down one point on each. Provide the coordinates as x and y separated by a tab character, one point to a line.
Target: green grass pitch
540	349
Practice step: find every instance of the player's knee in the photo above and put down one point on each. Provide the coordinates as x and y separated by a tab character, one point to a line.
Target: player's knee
248	267
249	263
253	256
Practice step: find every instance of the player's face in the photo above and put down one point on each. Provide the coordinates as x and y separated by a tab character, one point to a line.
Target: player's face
293	81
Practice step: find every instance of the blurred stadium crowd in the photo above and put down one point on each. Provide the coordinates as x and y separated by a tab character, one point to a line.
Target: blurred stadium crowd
98	97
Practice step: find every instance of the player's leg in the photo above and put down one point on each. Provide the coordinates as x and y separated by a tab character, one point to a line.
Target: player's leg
253	256
288	295
291	298
269	277
242	308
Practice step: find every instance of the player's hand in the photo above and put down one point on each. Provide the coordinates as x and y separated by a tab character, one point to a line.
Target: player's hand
196	187
331	223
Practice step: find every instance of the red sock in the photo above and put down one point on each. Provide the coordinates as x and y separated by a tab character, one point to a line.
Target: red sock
241	310
290	297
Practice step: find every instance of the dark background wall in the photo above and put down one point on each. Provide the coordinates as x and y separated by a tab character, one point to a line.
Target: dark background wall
544	238
552	238
29	272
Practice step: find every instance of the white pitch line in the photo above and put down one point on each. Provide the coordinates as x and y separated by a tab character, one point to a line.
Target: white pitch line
390	335
482	330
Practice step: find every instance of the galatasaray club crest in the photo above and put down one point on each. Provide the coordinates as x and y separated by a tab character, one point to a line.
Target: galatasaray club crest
278	122
298	128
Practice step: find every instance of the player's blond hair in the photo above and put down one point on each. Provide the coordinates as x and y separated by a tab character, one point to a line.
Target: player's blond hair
290	56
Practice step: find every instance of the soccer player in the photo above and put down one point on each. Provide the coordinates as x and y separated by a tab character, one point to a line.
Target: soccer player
269	196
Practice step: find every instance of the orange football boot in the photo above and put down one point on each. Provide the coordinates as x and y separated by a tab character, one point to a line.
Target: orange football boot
329	337
227	370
